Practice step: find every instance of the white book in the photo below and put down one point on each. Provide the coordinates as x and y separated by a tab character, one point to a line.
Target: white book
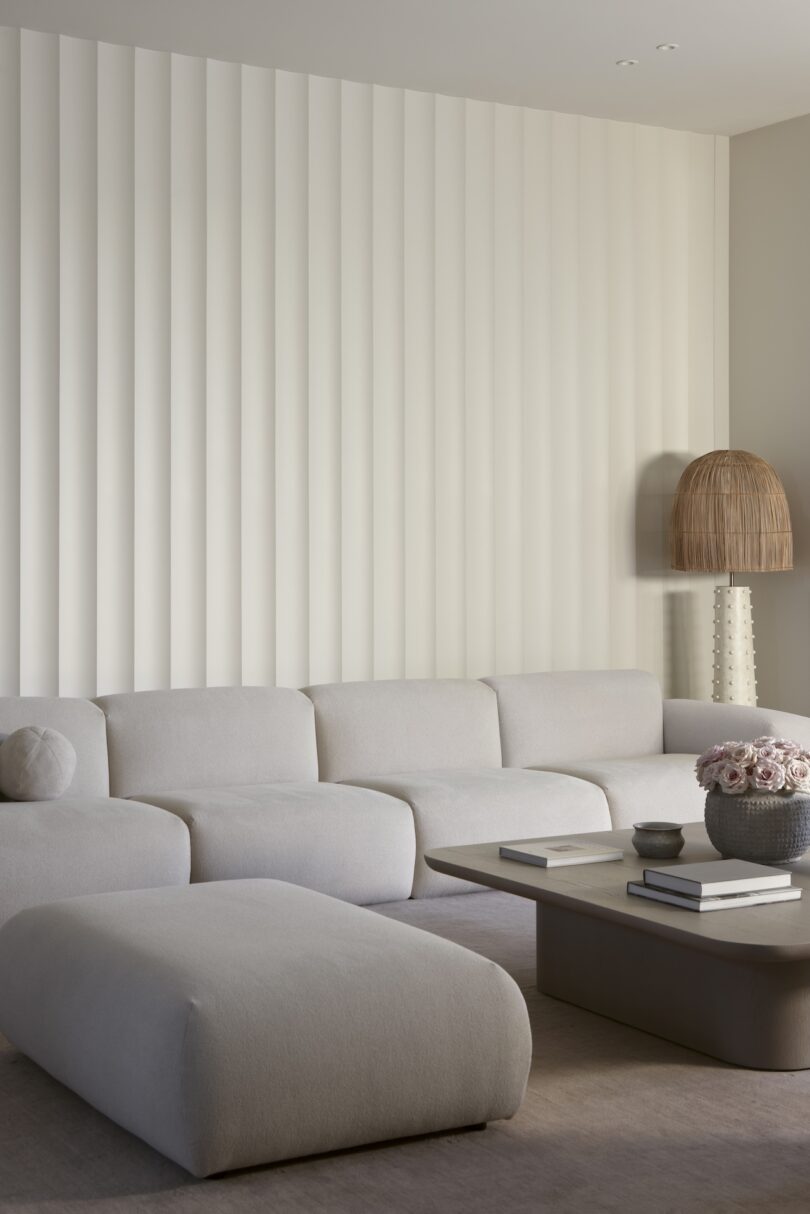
718	901
717	877
558	852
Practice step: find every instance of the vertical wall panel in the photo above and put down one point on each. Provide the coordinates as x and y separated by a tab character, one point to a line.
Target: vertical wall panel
418	386
450	383
115	368
707	321
387	417
508	398
78	360
10	361
188	367
480	401
720	245
39	364
292	363
258	378
594	437
324	380
303	380
357	596
152	373
621	219
538	410
568	473
656	501
223	375
649	157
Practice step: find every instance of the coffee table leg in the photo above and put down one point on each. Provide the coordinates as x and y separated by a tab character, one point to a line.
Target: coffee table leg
749	1013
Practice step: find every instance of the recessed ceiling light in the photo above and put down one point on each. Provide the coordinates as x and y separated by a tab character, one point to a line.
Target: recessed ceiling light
626	62
668	46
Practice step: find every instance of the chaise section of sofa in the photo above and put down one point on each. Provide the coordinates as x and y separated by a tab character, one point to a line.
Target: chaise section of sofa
85	842
435	743
605	726
239	766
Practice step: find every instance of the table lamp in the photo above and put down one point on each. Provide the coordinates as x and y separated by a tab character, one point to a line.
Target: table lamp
730	515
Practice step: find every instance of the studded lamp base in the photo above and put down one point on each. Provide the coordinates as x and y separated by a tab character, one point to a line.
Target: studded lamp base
734	672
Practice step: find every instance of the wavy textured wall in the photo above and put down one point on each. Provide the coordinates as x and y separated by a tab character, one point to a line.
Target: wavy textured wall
303	380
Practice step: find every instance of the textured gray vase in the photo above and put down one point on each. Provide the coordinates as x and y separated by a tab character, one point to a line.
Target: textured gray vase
767	827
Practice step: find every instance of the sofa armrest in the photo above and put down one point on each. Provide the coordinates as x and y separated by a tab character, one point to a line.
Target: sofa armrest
691	726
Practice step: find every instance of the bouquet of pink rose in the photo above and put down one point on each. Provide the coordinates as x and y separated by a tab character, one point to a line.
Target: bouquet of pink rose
764	765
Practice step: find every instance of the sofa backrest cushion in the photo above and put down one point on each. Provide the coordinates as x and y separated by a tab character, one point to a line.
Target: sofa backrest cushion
207	738
80	721
562	717
399	725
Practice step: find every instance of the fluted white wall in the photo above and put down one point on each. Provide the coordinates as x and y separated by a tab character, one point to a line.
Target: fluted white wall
306	380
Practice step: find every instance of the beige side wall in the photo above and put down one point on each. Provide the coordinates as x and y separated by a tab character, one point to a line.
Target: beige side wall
770	376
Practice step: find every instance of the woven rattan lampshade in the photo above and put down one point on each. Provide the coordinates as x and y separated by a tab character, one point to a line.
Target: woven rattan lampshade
730	515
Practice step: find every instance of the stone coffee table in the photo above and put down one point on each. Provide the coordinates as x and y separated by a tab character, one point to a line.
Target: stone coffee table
734	984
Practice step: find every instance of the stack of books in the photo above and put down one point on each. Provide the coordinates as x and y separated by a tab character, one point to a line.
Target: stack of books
716	885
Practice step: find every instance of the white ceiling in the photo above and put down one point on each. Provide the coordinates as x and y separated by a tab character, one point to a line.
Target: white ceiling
741	63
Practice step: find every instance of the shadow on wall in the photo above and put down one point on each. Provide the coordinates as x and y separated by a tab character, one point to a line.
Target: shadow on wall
656	489
684	606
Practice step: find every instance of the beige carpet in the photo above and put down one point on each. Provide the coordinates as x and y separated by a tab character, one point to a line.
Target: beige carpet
613	1120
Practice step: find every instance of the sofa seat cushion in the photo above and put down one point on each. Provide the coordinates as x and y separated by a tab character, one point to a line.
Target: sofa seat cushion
453	807
242	1022
650	788
351	843
58	849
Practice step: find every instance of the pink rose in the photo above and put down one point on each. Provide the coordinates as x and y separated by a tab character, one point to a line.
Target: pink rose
732	777
786	747
797	774
765	740
712	755
769	754
707	776
742	753
768	775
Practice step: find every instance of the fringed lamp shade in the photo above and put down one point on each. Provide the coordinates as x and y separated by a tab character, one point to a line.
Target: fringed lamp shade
730	515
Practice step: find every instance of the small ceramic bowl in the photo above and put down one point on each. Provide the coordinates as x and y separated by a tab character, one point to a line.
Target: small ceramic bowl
658	840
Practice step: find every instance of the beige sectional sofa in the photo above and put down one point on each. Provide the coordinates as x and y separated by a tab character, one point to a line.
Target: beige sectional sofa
208	996
343	787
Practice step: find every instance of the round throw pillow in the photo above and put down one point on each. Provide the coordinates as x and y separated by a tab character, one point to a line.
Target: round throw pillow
36	764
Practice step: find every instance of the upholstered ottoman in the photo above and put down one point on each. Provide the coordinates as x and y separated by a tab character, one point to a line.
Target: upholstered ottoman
242	1022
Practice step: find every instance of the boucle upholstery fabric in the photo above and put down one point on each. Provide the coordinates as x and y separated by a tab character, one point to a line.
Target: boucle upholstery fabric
242	1022
208	737
83	725
552	718
695	725
85	845
351	843
650	788
36	764
373	728
456	807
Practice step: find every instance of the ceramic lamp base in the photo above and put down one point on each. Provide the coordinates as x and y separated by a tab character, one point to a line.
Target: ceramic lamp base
734	671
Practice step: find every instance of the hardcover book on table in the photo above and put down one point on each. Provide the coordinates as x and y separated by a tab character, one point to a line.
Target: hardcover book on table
716	902
714	877
555	853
